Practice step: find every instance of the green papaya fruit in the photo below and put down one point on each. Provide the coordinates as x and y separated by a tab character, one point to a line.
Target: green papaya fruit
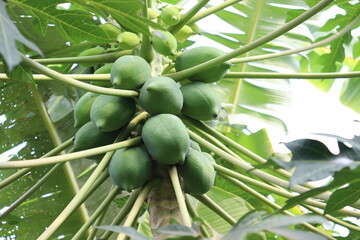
183	33
128	40
195	28
130	168
103	70
82	109
194	145
166	138
209	157
91	52
164	42
89	136
170	15
197	172
152	14
110	113
161	96
111	30
130	72
200	101
198	55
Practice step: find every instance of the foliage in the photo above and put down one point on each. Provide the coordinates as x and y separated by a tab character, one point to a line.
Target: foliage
259	193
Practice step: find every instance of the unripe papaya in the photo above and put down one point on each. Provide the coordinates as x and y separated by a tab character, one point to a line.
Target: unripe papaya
166	138
200	101
129	72
197	172
209	157
111	30
198	55
91	52
89	136
110	113
194	145
183	33
130	168
162	95
164	42
82	109
128	40
152	14
103	70
170	15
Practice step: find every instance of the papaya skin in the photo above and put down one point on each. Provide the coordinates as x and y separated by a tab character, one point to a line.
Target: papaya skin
111	30
82	109
198	55
166	139
89	136
184	33
197	172
201	102
109	113
162	95
130	72
170	15
128	40
130	168
103	70
164	42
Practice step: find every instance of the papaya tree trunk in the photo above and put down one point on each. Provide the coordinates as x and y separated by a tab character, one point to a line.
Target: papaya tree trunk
163	208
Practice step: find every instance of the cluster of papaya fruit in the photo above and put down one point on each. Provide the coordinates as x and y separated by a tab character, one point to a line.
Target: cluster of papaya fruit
166	140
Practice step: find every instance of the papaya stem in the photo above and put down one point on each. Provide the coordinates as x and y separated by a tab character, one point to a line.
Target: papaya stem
187	16
179	196
101	58
23	171
82	77
292	75
70	156
204	199
250	46
211	10
136	208
103	206
146	51
75	83
256	172
99	170
302	49
123	212
194	214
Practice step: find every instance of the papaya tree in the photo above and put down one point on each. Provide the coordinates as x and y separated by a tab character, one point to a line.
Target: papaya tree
133	119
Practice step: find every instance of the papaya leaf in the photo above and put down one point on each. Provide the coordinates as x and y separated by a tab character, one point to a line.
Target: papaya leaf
9	34
313	160
356	49
343	197
75	25
353	235
179	230
129	231
22	73
254	222
340	179
350	93
297	234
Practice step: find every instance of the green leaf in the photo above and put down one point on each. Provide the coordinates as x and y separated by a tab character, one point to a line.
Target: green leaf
129	231
75	25
313	160
9	34
350	93
343	197
178	230
340	179
22	73
253	222
297	234
356	49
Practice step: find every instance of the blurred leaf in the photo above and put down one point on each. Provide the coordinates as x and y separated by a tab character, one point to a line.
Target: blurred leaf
313	160
22	73
297	234
356	49
341	178
9	34
129	231
179	230
227	201
350	93
343	197
253	222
